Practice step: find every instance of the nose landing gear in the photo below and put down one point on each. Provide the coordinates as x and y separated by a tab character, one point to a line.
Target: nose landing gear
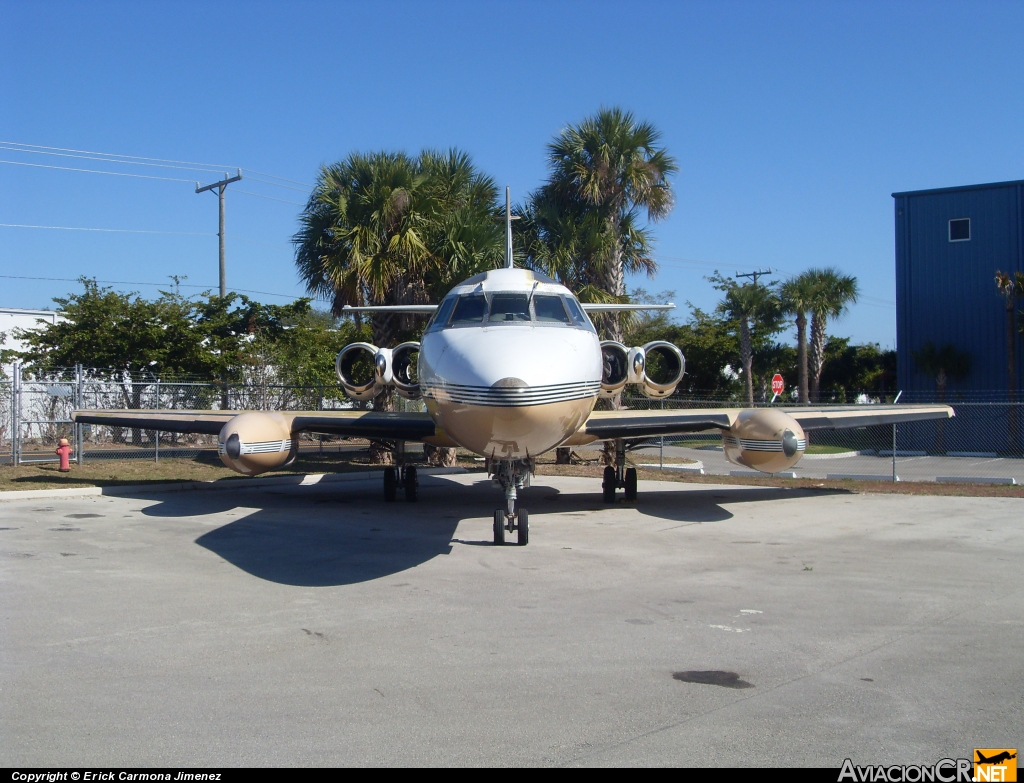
511	475
619	476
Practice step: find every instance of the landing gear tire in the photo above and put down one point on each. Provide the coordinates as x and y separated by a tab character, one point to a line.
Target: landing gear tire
523	517
499	527
390	485
609	484
630	484
410	484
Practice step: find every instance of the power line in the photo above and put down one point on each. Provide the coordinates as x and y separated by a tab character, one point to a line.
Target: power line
129	282
112	230
95	171
268	182
116	155
274	176
136	160
271	198
107	160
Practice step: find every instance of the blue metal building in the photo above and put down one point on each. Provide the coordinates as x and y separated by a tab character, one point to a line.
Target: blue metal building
949	244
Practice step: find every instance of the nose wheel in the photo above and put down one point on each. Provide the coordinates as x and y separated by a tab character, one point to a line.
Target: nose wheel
511	476
519	523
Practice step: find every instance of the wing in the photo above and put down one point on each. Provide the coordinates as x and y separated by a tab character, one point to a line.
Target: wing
348	424
593	307
420	309
604	425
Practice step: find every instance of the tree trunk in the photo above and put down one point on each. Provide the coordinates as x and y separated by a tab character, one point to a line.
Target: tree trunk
615	284
817	354
801	357
747	359
440	457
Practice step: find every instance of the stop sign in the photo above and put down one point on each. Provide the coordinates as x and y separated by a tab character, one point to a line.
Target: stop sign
778	385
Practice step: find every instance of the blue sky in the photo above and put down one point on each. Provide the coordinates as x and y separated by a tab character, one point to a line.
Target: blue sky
792	123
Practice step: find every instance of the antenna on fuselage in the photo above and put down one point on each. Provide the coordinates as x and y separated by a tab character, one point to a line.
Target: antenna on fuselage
508	227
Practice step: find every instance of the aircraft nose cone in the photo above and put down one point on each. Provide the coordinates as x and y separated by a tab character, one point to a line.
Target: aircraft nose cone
233	448
789	443
510	383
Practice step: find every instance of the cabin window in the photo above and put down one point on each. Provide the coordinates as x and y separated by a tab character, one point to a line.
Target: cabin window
509	308
960	230
549	309
470	310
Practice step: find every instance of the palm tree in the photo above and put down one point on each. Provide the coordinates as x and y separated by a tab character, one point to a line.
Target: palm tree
797	296
362	239
604	173
465	232
834	292
752	307
1011	286
385	228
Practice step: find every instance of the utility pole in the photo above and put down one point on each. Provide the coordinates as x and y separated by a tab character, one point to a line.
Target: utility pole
220	187
755	275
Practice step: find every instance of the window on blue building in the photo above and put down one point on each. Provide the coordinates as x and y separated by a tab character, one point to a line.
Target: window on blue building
960	230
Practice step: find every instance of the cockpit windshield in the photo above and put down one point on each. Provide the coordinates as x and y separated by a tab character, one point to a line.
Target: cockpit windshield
508	307
470	310
550	309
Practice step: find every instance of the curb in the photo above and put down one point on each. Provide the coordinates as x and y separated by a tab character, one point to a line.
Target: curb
761	474
304	480
695	467
841	454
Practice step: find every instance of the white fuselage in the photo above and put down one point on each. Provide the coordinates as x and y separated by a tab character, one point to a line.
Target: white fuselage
503	372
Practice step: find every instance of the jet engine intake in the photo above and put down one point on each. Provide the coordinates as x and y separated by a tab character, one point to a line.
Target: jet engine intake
403	370
255	442
358	368
661	368
766	439
615	368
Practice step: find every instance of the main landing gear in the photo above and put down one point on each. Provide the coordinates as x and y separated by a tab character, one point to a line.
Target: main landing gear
511	475
619	476
403	475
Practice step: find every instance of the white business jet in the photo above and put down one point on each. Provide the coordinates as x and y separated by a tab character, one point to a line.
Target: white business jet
510	367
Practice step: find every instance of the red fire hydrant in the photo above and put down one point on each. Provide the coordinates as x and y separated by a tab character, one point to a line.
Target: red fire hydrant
64	452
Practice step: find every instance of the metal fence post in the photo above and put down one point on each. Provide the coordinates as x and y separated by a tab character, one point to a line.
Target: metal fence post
894	442
156	444
78	404
661	447
16	415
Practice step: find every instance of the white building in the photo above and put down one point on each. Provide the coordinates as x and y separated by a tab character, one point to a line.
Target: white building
12	318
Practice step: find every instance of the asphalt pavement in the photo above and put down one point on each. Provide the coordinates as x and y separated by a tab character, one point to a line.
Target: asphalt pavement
317	625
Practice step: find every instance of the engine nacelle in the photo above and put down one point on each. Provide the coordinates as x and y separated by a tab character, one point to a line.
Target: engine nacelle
404	374
365	370
765	439
615	368
255	442
661	368
357	368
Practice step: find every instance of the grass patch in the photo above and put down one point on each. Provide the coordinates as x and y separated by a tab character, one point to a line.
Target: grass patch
109	473
821	448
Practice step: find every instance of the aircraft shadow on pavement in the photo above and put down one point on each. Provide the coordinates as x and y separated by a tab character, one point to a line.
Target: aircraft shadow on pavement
336	534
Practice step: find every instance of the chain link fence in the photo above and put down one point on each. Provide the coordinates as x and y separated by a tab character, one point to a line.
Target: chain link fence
983	442
36	414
